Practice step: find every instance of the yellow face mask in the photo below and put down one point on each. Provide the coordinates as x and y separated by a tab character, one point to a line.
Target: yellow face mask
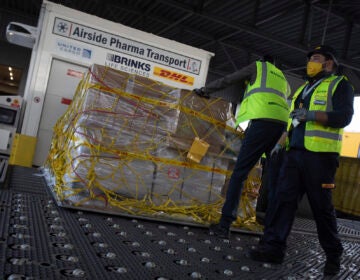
313	68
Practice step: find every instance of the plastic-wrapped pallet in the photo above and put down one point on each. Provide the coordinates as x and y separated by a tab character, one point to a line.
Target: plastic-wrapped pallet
122	147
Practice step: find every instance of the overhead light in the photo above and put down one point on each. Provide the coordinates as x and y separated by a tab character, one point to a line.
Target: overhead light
11	78
10	68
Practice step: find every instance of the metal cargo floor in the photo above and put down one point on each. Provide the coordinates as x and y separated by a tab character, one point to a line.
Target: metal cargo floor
40	240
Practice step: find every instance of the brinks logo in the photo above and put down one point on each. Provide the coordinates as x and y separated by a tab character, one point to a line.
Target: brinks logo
128	62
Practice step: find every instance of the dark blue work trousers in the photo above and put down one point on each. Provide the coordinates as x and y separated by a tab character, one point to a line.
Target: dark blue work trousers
304	172
260	137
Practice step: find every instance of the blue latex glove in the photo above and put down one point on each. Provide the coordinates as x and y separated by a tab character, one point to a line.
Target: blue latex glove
303	115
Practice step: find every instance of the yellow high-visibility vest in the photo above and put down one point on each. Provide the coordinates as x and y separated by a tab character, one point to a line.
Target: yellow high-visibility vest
266	97
320	138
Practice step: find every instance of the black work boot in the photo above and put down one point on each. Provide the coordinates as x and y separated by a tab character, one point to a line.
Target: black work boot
262	255
332	266
219	231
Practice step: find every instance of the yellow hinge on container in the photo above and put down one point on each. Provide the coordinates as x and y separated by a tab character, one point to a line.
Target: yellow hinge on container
23	150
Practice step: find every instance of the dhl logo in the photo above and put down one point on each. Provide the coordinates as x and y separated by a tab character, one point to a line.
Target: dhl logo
174	76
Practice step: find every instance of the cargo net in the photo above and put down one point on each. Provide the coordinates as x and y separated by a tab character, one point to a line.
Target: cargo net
132	145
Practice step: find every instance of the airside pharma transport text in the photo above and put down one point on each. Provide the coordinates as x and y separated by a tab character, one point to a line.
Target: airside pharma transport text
114	42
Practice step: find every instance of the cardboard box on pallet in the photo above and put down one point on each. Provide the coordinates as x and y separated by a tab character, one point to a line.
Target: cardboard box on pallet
198	118
133	109
128	177
204	186
106	78
114	133
158	102
168	177
184	183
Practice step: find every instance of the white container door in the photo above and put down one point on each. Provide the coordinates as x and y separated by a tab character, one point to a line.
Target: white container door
63	80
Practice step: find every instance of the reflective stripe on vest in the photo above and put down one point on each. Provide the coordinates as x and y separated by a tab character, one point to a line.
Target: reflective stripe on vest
331	89
263	87
265	97
323	134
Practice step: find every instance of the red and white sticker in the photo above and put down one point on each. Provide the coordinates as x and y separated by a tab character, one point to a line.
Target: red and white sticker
74	73
173	173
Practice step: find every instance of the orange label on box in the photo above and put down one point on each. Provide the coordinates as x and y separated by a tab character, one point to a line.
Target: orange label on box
174	76
198	150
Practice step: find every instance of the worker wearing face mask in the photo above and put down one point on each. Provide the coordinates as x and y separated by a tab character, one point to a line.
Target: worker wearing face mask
320	109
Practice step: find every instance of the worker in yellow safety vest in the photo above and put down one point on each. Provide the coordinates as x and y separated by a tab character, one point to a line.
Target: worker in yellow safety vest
320	109
264	104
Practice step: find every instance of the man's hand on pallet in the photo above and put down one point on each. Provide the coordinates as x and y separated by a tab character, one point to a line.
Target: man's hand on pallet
201	92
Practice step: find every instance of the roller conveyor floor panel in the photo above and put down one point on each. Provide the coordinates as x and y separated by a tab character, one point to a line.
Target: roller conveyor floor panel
40	240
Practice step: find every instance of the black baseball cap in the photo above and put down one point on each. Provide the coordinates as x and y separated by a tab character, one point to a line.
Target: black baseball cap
327	51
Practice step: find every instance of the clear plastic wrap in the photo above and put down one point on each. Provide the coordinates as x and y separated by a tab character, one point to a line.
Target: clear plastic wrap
122	145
